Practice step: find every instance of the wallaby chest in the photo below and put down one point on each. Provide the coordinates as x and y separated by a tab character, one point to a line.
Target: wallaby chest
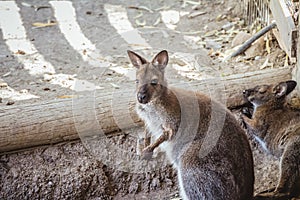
278	128
155	119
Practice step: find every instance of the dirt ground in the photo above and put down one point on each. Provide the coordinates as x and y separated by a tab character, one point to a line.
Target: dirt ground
69	170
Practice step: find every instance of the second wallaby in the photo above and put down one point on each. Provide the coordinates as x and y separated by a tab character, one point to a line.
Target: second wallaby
276	126
211	153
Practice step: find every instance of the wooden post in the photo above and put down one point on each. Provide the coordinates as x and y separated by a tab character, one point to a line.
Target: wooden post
287	29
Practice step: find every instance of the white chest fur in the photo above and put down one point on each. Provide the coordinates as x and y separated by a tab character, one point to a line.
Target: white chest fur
154	120
262	143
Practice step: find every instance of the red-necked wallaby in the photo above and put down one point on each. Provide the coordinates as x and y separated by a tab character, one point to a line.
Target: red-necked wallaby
180	121
276	127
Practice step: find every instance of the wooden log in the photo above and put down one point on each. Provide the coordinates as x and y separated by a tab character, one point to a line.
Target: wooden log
101	112
59	120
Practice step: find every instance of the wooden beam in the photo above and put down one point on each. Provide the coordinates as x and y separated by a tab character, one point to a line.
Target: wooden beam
101	112
286	26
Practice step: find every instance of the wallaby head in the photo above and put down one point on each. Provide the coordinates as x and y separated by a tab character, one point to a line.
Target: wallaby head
269	94
150	80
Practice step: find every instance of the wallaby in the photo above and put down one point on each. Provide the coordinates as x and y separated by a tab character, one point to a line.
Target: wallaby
221	170
276	127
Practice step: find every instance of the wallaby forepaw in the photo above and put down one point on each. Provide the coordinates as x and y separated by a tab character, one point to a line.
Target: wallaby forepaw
147	153
168	132
241	121
247	112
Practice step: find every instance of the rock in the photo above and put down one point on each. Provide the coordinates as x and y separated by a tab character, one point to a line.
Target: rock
227	26
155	183
10	102
257	49
24	91
133	188
211	44
240	38
3	84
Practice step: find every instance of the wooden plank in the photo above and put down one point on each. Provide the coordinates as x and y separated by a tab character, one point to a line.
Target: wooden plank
101	112
286	26
296	70
296	77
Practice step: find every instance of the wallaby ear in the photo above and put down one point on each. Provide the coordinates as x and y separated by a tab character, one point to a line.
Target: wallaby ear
136	59
161	59
284	88
290	86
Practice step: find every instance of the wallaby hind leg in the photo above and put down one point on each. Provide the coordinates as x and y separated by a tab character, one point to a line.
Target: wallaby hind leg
205	178
289	182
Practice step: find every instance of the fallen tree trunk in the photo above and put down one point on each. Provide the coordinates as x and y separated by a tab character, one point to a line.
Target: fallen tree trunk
101	111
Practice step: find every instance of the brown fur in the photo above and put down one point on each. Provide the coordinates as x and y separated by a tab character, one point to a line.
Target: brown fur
201	138
278	127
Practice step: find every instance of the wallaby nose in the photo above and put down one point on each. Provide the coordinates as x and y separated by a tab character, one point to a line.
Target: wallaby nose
141	97
246	93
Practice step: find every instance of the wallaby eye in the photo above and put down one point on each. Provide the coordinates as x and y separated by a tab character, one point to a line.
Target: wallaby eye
154	82
137	81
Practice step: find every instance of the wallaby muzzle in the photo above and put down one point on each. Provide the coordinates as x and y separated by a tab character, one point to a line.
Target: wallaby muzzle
142	95
247	93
